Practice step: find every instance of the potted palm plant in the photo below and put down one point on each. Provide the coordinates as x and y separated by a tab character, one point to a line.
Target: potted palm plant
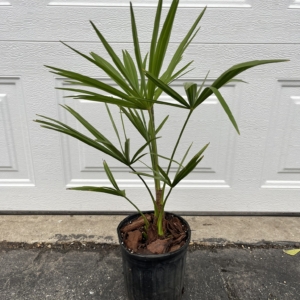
153	243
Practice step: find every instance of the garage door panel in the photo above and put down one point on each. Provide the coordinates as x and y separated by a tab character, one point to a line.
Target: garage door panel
149	3
15	164
255	172
264	22
294	4
30	58
282	167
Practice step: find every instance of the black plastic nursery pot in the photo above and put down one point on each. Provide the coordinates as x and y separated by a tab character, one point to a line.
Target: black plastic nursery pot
157	276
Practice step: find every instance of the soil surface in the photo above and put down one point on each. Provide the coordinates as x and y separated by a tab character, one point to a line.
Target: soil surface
139	240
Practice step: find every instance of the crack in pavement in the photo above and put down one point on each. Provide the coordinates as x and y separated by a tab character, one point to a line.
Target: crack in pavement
231	294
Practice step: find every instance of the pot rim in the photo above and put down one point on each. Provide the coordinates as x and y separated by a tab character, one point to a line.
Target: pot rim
153	256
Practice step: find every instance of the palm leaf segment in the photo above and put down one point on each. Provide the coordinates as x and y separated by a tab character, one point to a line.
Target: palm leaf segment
100	142
115	190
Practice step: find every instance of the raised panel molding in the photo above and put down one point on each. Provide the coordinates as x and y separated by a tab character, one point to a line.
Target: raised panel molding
8	155
282	162
16	167
295	4
149	3
83	164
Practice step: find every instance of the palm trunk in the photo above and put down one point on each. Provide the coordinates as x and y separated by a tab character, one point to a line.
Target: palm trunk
159	213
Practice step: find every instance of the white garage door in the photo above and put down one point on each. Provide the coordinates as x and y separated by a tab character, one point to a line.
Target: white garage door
258	171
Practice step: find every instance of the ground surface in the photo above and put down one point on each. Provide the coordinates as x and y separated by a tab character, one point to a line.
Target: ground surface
89	271
102	228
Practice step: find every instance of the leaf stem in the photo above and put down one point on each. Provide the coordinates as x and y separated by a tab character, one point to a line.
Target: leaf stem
175	148
144	182
167	197
145	219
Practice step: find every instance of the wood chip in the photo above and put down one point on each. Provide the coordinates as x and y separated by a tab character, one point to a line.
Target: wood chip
136	224
133	239
174	248
152	234
158	246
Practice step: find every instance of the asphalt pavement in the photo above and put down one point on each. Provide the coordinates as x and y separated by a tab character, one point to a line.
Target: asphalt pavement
93	271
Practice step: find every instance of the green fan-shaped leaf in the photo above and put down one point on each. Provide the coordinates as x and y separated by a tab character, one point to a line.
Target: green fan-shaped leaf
114	126
136	156
232	72
191	165
176	58
165	176
115	58
156	61
110	175
225	107
151	86
112	73
202	85
137	48
191	92
127	149
136	120
91	96
89	81
63	128
131	69
106	190
161	125
167	89
183	159
166	158
106	67
97	134
165	103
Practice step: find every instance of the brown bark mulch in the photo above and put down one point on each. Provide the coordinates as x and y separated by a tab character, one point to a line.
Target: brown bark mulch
138	240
